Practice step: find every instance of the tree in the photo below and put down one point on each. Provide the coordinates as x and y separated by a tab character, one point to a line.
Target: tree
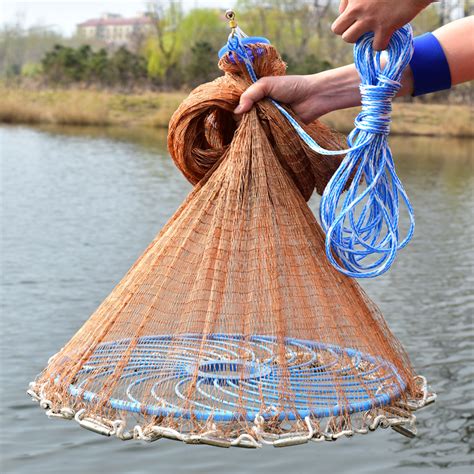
98	68
296	27
126	68
202	66
202	33
20	45
162	47
64	65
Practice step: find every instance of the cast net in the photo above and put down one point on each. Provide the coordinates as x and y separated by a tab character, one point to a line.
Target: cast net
233	328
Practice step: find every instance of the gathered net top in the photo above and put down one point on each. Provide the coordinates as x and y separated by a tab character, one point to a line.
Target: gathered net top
203	127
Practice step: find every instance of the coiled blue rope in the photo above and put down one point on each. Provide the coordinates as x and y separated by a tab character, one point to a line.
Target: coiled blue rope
362	226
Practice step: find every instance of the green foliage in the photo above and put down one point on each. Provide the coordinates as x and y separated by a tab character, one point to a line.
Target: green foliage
202	66
171	50
309	64
13	70
293	26
157	62
97	66
31	70
65	65
163	46
203	25
126	68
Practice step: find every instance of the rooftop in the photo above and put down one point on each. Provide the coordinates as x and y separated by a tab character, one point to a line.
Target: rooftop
116	20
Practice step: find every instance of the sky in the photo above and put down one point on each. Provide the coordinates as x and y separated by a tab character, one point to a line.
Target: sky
63	15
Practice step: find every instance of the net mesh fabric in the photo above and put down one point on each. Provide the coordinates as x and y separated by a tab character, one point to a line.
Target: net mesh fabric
233	325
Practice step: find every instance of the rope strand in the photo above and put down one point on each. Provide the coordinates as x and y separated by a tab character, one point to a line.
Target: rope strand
362	228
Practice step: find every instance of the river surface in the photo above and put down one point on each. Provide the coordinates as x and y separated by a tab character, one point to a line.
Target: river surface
80	205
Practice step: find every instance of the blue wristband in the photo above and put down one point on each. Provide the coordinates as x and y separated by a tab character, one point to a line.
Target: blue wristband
429	66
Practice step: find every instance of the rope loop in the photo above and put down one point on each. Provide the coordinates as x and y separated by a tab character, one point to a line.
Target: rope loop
362	227
376	100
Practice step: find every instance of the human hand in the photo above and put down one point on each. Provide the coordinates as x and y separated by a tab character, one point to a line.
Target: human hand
382	17
296	91
308	96
314	95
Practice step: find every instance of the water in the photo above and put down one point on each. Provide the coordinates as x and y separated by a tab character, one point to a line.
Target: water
79	206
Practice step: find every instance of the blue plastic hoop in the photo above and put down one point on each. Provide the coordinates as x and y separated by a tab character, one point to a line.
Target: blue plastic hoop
244	41
230	387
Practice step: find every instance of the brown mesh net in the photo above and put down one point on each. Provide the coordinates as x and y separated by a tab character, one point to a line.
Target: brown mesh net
233	328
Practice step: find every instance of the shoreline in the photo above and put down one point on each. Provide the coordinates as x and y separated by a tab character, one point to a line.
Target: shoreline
85	107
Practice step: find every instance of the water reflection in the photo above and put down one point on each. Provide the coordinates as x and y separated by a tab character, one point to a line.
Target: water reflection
78	207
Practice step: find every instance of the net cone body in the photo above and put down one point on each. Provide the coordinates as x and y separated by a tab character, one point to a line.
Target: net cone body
233	313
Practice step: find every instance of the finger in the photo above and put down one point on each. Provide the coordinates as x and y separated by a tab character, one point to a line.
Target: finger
353	33
381	40
254	93
343	5
342	22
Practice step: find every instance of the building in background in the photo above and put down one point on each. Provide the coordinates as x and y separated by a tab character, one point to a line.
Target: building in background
115	29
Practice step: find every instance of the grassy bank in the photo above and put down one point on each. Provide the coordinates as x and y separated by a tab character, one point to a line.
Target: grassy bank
416	119
154	109
87	107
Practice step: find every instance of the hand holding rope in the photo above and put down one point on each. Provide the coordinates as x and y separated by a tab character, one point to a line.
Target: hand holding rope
362	226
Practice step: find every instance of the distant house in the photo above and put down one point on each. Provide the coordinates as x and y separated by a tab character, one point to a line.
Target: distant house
115	29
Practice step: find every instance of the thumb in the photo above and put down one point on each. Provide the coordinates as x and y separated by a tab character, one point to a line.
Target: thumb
254	93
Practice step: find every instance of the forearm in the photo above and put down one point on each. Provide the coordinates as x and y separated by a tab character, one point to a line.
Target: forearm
339	88
457	41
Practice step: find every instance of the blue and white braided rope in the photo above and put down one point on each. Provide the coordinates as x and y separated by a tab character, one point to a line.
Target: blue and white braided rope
362	228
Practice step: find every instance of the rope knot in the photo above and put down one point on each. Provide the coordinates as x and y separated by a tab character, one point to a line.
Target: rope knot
375	116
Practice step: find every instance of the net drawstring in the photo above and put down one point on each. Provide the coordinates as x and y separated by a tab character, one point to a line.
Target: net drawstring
362	227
